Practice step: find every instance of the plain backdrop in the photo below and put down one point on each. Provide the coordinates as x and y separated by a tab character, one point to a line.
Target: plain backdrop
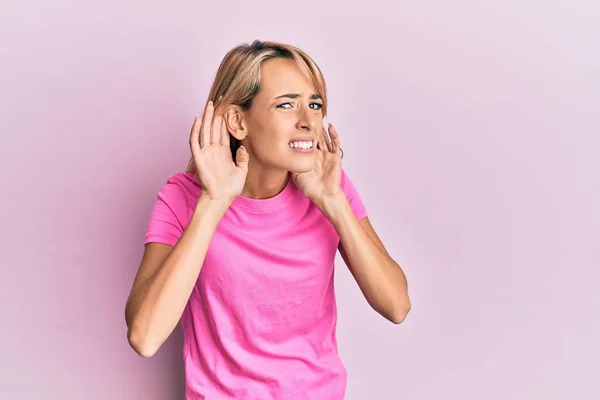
471	129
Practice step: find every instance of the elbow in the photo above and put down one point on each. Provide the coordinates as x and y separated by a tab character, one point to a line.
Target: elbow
141	344
400	312
139	336
394	310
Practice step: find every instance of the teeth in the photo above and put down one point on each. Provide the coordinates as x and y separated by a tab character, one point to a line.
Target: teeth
301	144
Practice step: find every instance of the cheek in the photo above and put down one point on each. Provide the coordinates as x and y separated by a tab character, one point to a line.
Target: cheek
275	131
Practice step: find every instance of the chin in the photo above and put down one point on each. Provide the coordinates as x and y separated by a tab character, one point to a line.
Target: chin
299	167
300	170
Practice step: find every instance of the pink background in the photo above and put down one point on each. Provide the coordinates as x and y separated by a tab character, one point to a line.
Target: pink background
471	130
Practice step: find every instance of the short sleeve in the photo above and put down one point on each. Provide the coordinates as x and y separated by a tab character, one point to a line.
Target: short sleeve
165	222
353	197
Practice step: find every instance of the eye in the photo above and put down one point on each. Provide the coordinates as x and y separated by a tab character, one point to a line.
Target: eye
287	106
284	104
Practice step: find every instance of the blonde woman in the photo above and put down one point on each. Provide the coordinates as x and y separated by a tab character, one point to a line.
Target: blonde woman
241	246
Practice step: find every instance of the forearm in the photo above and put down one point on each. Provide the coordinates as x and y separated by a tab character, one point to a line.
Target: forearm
156	306
379	277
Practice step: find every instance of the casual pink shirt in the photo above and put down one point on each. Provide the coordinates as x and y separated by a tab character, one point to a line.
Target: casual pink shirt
261	320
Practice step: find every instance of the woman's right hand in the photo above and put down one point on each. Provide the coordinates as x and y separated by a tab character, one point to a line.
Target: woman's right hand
221	179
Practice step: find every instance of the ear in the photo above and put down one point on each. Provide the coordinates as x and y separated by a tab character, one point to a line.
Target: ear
234	119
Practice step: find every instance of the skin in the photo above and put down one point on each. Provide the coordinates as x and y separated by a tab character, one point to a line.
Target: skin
272	121
264	163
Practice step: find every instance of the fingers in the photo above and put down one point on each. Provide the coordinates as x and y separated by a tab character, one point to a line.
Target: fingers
324	140
242	158
224	134
212	128
215	133
206	125
218	122
195	136
335	140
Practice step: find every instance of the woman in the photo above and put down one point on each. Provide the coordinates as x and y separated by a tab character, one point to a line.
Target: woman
241	246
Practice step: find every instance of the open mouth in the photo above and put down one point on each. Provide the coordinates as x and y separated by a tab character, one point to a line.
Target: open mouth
301	145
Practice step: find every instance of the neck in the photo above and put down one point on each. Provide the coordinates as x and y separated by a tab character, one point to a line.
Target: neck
263	183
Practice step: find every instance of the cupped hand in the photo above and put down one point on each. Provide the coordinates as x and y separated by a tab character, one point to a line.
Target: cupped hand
220	177
324	180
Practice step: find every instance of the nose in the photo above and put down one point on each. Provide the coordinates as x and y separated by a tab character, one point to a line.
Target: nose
306	119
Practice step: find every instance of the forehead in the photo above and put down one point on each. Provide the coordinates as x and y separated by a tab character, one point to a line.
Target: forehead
284	75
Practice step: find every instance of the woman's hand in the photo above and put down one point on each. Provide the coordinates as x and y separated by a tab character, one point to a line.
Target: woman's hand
220	177
324	180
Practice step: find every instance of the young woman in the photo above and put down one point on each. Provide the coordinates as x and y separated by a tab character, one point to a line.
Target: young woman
241	246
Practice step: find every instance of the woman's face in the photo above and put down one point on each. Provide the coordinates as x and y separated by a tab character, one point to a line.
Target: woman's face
284	118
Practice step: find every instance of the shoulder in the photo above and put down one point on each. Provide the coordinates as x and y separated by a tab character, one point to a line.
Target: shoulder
353	196
180	190
347	184
345	177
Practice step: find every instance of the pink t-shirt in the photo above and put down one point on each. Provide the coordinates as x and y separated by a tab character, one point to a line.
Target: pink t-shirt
261	320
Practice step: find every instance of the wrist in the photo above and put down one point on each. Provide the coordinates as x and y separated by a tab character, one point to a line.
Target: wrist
217	207
333	206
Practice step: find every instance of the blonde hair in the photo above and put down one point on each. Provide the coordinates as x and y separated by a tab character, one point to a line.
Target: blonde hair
238	78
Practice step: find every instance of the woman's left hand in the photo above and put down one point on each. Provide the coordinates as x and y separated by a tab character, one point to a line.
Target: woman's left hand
324	180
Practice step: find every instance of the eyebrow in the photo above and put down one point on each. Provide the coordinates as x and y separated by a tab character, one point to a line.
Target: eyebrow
296	95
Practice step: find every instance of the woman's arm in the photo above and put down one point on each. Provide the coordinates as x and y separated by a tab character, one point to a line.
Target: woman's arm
167	275
379	277
166	278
